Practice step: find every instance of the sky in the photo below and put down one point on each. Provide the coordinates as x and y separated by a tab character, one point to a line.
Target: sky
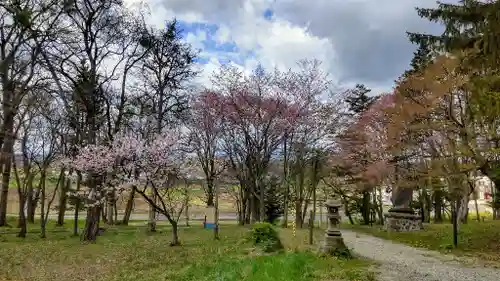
358	41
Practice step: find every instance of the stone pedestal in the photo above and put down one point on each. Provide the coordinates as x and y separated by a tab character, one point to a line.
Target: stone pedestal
333	243
402	221
402	218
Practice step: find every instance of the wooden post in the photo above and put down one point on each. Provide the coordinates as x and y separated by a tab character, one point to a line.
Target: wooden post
311	227
454	218
216	211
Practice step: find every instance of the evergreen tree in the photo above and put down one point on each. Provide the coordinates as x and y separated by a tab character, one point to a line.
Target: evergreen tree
469	25
359	100
421	59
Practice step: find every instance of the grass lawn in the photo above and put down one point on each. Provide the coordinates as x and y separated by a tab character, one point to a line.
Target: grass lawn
129	253
475	239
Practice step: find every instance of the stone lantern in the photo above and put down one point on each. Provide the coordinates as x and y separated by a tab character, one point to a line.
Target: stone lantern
333	242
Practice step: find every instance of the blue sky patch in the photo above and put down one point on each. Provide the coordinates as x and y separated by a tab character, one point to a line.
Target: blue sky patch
268	14
225	52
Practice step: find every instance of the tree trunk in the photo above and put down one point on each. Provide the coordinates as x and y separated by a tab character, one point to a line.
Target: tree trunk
496	198
92	224
43	190
110	210
45	204
478	217
284	223
262	201
129	207
438	206
33	198
375	205
115	212
454	220
29	204
380	208
305	207
6	161
63	197
152	214
298	214
248	214
463	210
253	205
348	213
210	193
428	200
299	192
22	215
104	213
427	208
365	208
175	234
311	227
77	205
240	209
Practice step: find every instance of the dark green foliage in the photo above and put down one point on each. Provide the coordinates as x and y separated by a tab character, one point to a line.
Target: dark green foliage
358	99
421	59
273	201
265	237
469	24
342	253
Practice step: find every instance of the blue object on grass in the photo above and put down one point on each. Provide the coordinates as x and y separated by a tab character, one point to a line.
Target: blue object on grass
210	225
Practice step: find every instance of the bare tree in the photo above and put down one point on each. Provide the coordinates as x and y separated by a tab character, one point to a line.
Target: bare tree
24	29
165	70
205	135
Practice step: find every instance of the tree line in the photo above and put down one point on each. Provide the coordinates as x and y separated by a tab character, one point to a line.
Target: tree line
99	104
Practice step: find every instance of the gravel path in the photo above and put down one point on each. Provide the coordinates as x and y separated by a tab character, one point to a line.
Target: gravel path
405	263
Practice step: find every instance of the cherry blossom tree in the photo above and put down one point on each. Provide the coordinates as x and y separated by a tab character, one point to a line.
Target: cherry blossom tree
131	163
364	154
205	131
255	117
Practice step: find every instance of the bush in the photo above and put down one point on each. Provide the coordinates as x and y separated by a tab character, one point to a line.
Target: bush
266	237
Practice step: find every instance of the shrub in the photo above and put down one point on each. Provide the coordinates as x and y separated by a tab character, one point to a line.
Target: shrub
266	237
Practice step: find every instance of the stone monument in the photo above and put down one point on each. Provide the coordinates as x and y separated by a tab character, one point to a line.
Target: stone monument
401	217
333	243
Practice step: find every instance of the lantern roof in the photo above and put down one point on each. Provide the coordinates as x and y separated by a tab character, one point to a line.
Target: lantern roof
335	203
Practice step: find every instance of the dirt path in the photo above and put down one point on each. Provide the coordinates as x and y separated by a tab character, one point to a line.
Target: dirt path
405	263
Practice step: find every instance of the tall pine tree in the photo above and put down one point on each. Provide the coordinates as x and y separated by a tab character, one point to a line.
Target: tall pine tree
471	25
359	101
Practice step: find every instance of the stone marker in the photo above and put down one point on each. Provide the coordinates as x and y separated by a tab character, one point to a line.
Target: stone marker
401	217
333	243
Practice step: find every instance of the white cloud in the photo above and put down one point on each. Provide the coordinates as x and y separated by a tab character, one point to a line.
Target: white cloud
358	41
223	34
196	39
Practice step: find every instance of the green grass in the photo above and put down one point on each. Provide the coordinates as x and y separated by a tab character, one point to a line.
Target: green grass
475	239
129	253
